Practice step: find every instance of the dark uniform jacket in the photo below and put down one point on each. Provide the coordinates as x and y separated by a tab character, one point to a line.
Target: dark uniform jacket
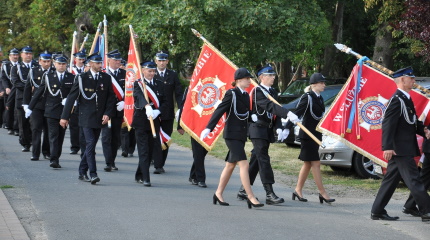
140	119
235	128
91	111
261	105
303	110
51	83
34	79
19	74
120	79
5	75
172	85
397	133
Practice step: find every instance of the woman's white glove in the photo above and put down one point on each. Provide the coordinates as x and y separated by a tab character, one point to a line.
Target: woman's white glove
120	106
285	134
27	113
155	113
204	133
279	133
254	117
25	107
293	117
148	111
63	102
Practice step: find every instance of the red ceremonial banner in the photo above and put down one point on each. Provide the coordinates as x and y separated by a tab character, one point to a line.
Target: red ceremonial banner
133	73
211	78
356	119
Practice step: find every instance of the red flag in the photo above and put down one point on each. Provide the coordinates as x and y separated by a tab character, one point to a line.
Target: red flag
211	78
133	73
356	118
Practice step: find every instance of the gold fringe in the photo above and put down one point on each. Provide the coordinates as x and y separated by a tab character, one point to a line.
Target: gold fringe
197	138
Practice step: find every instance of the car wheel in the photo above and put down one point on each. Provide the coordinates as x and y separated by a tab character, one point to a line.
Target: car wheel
363	166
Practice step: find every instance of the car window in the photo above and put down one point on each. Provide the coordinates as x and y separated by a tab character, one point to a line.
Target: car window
296	88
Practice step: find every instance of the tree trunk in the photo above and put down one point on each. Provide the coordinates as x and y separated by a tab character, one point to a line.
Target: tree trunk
383	53
284	75
332	60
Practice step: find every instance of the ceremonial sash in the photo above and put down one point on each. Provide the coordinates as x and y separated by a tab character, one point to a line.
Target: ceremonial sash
117	88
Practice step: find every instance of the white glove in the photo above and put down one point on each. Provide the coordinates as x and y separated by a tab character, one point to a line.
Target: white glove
177	115
285	134
155	113
63	102
76	103
148	111
293	117
27	113
204	133
279	132
25	107
254	117
120	106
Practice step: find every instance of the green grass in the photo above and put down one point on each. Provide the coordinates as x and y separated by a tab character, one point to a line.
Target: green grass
6	186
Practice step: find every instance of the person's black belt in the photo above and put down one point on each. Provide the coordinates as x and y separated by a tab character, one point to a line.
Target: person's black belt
264	123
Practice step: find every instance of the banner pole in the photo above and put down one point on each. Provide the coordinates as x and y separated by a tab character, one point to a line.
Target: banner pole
96	37
255	84
145	92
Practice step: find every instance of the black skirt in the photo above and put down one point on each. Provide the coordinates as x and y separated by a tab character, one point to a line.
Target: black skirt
236	150
309	150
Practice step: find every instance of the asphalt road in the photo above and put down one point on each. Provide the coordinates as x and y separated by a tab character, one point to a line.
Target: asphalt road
54	204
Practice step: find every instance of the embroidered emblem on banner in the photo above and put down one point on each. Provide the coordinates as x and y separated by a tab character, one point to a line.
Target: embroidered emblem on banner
371	112
131	74
207	95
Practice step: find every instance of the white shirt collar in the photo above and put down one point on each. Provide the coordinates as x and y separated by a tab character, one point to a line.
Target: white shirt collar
316	93
266	87
407	94
159	71
148	81
58	73
14	63
113	70
93	73
242	91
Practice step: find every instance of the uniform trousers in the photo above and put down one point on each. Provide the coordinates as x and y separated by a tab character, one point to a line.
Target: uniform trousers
2	111
128	140
56	138
401	167
111	138
39	124
148	148
74	131
88	161
82	142
260	162
167	126
24	128
198	168
425	179
10	119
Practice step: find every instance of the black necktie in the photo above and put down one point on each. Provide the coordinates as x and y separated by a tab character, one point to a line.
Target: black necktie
96	77
115	72
162	74
61	78
79	70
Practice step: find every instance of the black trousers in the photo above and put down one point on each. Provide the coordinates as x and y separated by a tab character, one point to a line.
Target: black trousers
74	132
82	142
56	138
260	162
401	167
111	138
128	140
167	126
88	161
39	124
10	119
148	148
2	112
24	128
425	179
198	168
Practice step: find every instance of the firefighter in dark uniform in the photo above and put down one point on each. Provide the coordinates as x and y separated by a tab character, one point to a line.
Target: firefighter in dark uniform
54	87
37	119
173	92
399	143
148	147
77	68
111	134
19	74
266	117
93	92
11	121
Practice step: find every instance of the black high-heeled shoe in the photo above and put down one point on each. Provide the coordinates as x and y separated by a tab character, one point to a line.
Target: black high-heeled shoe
215	199
250	204
330	200
296	195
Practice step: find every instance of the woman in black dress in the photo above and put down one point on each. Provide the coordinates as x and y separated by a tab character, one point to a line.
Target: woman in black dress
311	108
236	105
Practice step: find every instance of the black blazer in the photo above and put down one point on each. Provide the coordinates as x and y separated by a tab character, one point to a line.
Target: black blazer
91	111
303	110
34	80
19	81
235	128
53	105
397	133
172	86
120	79
263	128
140	119
182	108
5	75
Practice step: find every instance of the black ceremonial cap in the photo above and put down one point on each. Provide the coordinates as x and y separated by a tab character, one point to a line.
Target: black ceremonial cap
242	73
14	51
61	59
81	54
149	64
162	56
267	69
95	57
27	49
316	78
407	71
115	54
45	55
